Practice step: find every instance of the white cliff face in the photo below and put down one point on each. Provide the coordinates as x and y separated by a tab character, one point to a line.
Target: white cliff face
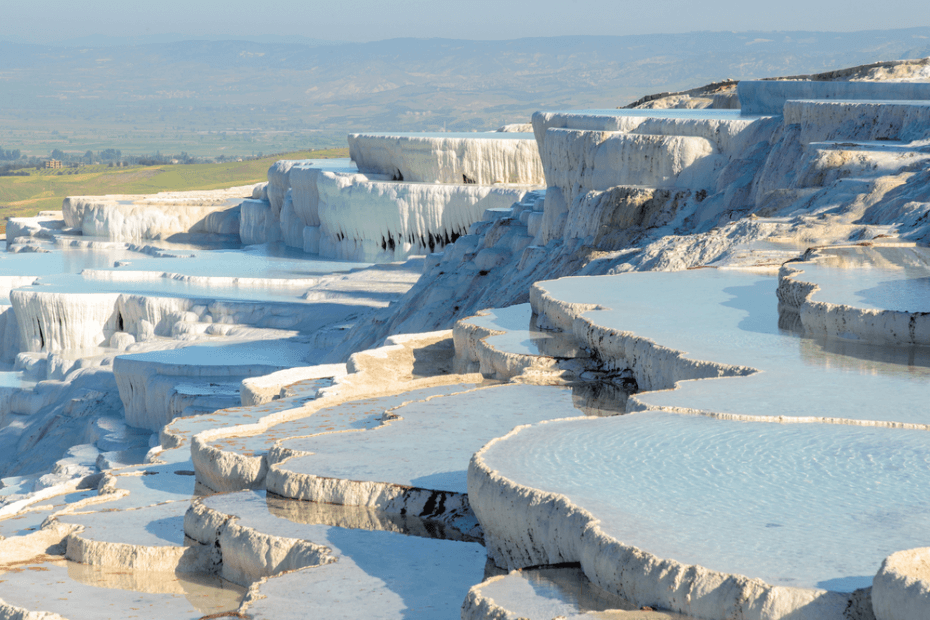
382	220
57	321
600	160
820	120
726	128
133	218
303	184
157	387
295	184
770	96
258	222
479	158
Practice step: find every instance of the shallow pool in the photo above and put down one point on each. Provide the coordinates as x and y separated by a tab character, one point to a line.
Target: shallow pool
806	505
879	278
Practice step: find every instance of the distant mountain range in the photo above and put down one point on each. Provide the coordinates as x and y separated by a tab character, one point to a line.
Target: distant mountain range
422	84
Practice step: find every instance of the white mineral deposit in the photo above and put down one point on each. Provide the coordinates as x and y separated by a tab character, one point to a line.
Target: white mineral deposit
650	363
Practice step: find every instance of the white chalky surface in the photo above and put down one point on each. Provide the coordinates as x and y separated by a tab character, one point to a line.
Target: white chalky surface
731	317
376	574
28	521
353	415
279	352
152	526
880	278
547	593
521	336
79	592
158	483
189	426
806	505
258	261
431	446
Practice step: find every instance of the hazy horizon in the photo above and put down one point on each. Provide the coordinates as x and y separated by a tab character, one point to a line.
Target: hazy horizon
373	20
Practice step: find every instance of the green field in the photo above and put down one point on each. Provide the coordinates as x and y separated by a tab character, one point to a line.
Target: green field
43	190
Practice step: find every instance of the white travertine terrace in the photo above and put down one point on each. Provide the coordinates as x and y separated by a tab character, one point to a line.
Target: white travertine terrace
731	340
159	386
137	217
771	467
504	343
725	128
348	572
550	593
769	96
901	121
872	293
481	158
383	221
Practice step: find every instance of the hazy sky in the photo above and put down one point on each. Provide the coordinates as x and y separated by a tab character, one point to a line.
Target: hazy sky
49	21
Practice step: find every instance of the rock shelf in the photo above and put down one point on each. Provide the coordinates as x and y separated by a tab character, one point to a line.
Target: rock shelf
733	338
86	593
369	572
416	460
873	294
200	417
550	593
505	343
486	158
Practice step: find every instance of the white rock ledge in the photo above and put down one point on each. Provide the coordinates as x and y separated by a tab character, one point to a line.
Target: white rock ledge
769	96
480	158
840	320
382	221
527	527
901	589
654	366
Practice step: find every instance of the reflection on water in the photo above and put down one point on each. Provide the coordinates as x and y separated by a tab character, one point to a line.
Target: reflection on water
207	593
599	399
362	518
880	278
562	592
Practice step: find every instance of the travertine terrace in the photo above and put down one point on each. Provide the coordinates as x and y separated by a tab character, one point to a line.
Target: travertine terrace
660	362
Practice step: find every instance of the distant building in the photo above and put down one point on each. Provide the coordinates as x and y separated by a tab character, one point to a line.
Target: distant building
53	163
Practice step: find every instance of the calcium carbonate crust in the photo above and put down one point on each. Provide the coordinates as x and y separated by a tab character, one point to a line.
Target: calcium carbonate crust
125	556
386	370
483	159
244	555
136	217
480	606
11	612
264	389
840	320
654	366
477	606
471	349
446	507
901	589
527	527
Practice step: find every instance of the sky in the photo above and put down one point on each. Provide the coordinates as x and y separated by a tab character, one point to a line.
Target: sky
59	21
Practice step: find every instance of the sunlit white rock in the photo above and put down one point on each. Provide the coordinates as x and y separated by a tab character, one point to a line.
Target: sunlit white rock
384	221
480	158
769	96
